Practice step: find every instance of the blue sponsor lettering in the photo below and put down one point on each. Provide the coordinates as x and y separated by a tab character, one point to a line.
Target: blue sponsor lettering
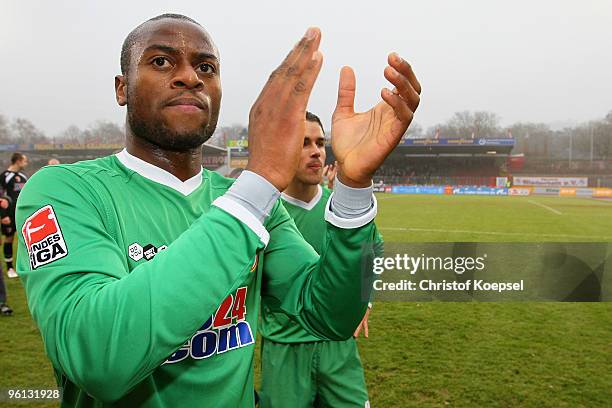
211	339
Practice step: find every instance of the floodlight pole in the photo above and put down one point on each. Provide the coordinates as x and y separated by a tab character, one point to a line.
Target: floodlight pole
591	128
570	149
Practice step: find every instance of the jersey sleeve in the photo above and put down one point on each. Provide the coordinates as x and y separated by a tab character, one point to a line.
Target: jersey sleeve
5	211
379	244
379	251
105	328
3	184
324	294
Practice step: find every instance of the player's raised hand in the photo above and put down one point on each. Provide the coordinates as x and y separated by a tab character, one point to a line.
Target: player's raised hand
329	174
362	141
276	120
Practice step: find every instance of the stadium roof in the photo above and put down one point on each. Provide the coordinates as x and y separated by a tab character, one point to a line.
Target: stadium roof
455	147
468	147
62	147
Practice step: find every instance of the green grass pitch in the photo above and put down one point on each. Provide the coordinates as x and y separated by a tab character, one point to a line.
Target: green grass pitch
446	354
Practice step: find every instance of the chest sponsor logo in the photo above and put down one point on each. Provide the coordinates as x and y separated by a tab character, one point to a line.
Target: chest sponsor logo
224	331
43	237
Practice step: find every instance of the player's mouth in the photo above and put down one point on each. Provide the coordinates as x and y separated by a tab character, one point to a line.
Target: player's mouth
187	104
316	166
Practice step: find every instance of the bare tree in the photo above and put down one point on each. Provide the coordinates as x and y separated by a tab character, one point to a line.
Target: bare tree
24	131
414	131
5	131
103	132
468	124
538	140
72	134
602	138
532	138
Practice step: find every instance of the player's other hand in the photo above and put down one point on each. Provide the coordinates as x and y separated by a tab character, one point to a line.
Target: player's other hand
5	221
329	174
363	325
4	203
276	120
362	141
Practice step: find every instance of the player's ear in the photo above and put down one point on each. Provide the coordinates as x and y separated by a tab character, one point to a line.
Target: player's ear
120	90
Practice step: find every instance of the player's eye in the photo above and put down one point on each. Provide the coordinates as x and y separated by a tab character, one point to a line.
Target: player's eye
161	62
207	68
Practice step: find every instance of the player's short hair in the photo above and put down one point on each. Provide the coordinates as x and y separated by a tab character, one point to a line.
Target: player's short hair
16	157
130	40
311	117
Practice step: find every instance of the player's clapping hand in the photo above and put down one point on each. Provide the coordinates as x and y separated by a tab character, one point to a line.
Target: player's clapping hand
4	203
329	174
276	120
363	325
5	221
362	141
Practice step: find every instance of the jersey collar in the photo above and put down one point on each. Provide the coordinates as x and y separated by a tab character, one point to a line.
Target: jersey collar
154	173
305	205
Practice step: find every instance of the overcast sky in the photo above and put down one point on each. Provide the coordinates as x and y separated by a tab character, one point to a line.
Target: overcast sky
538	60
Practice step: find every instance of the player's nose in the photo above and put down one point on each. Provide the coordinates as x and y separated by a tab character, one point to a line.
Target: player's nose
314	150
187	77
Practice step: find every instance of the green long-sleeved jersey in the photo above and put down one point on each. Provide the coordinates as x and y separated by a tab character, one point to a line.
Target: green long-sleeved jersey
310	221
146	289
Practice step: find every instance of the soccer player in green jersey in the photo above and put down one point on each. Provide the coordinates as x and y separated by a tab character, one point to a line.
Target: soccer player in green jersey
298	368
145	272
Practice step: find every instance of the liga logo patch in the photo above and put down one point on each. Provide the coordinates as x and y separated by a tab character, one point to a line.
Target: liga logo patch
43	237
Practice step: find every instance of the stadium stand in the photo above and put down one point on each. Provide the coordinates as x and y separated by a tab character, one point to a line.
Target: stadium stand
39	154
476	162
440	161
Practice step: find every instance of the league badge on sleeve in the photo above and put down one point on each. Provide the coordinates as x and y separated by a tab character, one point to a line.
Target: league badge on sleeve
43	237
